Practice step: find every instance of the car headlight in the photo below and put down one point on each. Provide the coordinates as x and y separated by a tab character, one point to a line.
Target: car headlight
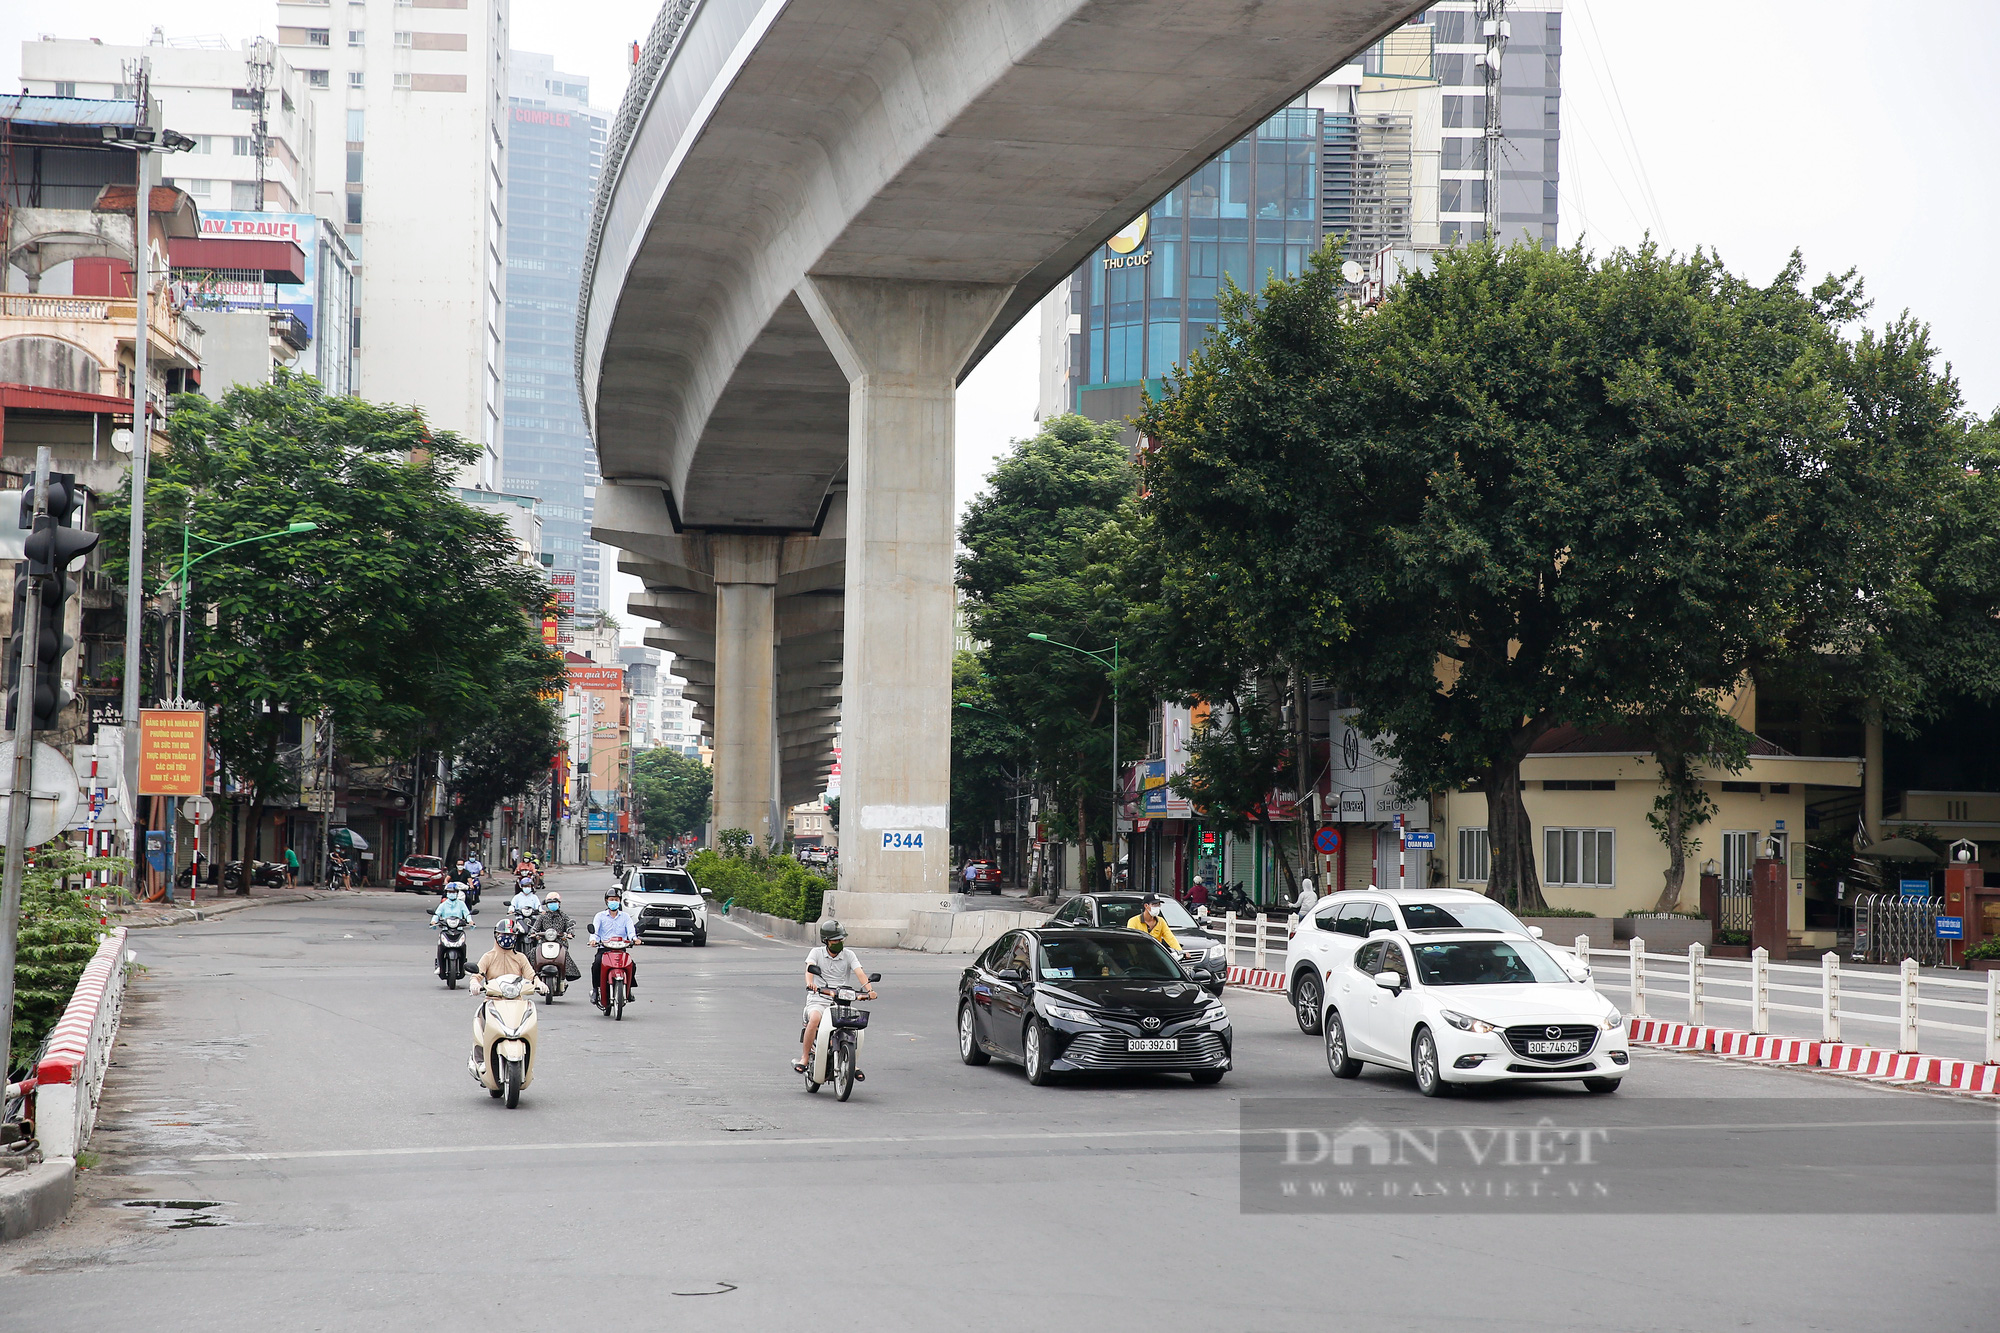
1216	1014
1466	1022
1613	1021
1067	1013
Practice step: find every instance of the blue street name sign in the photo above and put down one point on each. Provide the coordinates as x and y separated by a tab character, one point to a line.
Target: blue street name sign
1951	927
1421	838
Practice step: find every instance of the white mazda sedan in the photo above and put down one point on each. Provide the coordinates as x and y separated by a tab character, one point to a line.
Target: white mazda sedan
1469	1006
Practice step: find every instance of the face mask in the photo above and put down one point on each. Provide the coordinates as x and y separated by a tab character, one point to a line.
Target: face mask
835	946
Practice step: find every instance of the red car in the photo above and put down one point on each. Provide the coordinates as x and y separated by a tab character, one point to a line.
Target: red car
420	874
985	875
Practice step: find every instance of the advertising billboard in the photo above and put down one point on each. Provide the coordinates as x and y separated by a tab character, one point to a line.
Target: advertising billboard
301	229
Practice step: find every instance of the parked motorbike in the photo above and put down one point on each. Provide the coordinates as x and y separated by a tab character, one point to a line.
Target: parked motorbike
503	1036
614	984
836	1056
1230	898
451	939
268	874
549	953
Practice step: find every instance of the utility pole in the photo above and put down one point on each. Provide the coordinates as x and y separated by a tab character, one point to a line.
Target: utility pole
260	68
1493	14
135	576
24	773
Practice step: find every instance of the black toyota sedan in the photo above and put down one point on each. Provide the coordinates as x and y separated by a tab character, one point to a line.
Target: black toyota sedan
1074	1000
1201	946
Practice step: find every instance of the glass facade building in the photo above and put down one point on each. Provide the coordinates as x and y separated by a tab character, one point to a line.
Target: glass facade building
554	148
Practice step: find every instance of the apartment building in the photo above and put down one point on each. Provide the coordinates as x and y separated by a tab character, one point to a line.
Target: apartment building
411	97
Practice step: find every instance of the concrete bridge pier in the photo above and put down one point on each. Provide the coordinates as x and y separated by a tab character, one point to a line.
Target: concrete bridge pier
901	345
745	570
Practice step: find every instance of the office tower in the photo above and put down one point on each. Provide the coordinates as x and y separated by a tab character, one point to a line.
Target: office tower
555	144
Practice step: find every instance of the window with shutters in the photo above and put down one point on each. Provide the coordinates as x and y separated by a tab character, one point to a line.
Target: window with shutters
1475	856
1580	857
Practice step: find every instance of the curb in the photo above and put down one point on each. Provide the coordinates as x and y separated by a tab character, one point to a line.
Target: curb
181	916
1872	1063
1259	979
37	1197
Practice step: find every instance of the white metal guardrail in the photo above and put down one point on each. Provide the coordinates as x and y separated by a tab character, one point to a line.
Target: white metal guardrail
69	1079
1761	988
1261	935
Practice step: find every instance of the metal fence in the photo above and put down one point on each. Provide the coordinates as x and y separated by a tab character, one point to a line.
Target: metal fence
1737	910
1889	928
1261	936
1761	987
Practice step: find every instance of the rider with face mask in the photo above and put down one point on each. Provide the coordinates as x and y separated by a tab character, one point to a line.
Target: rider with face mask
838	966
612	928
503	959
453	908
524	903
554	918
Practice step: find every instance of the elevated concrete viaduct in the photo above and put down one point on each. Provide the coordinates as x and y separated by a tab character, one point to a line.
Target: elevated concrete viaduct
814	218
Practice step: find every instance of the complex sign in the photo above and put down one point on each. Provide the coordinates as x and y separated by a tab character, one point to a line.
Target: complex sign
301	229
172	743
590	676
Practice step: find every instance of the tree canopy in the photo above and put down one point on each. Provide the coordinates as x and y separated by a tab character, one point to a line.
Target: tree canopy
1541	488
671	792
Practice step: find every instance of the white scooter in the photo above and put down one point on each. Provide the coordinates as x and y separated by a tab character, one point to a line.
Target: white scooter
836	1056
503	1036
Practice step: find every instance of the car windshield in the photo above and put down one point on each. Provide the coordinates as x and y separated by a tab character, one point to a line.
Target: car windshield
1091	958
425	863
1486	963
668	883
1117	911
1469	915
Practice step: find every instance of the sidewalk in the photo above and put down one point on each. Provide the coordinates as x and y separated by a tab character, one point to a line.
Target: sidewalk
209	902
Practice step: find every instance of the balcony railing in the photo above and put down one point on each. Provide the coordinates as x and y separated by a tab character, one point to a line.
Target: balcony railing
165	322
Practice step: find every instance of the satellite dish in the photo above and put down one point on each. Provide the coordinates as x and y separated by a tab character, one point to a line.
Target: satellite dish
121	440
1352	271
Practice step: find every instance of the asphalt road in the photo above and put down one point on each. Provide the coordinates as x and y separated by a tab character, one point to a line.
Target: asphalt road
298	1069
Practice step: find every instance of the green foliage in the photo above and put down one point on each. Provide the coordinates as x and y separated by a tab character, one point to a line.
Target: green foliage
1552	911
58	936
1539	488
512	748
1986	948
1039	547
736	841
405	615
774	885
671	791
986	751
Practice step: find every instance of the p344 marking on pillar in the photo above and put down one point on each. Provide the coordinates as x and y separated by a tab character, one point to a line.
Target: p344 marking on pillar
902	840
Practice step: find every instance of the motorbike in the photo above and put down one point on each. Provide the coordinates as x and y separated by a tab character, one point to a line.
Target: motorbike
451	937
549	953
614	985
836	1056
618	867
1230	898
503	1036
268	874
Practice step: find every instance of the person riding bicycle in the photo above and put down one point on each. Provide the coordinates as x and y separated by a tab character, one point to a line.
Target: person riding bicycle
1152	923
613	928
838	967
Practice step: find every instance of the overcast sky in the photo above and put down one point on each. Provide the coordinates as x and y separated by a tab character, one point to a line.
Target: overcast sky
1851	130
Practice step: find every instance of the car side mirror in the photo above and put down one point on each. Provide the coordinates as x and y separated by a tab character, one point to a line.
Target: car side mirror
813	968
1010	974
1535	932
1389	980
708	893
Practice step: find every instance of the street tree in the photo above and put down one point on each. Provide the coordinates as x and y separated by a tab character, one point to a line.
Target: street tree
671	791
1540	488
1031	564
405	617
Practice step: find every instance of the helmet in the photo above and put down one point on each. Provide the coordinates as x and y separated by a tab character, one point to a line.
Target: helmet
454	892
551	898
503	932
831	930
613	896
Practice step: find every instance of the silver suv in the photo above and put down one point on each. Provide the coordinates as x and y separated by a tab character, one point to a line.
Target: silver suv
1340	923
667	904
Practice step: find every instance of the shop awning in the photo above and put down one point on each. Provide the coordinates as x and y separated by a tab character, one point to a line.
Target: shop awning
280	261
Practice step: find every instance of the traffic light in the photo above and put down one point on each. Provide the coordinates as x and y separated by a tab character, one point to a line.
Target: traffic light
51	547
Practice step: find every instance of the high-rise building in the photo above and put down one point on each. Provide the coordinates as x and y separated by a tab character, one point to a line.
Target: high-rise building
412	103
555	145
1396	150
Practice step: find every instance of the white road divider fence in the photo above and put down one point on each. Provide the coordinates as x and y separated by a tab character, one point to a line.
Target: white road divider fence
1261	935
69	1078
1913	1005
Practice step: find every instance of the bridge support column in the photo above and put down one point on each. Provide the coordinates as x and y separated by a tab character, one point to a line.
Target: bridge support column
901	345
746	771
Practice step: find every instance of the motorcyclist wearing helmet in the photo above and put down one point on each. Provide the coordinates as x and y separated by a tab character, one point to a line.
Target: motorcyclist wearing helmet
838	966
453	908
524	903
554	918
503	959
613	928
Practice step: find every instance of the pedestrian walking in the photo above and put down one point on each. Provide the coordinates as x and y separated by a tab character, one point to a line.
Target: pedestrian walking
291	867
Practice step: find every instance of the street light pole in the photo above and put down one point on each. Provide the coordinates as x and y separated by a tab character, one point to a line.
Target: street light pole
135	576
1117	788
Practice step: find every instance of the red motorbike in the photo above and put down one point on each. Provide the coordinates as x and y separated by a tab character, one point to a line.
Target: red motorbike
614	983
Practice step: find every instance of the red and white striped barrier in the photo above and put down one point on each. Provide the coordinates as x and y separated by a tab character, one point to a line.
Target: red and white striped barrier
1252	978
70	1077
1870	1062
